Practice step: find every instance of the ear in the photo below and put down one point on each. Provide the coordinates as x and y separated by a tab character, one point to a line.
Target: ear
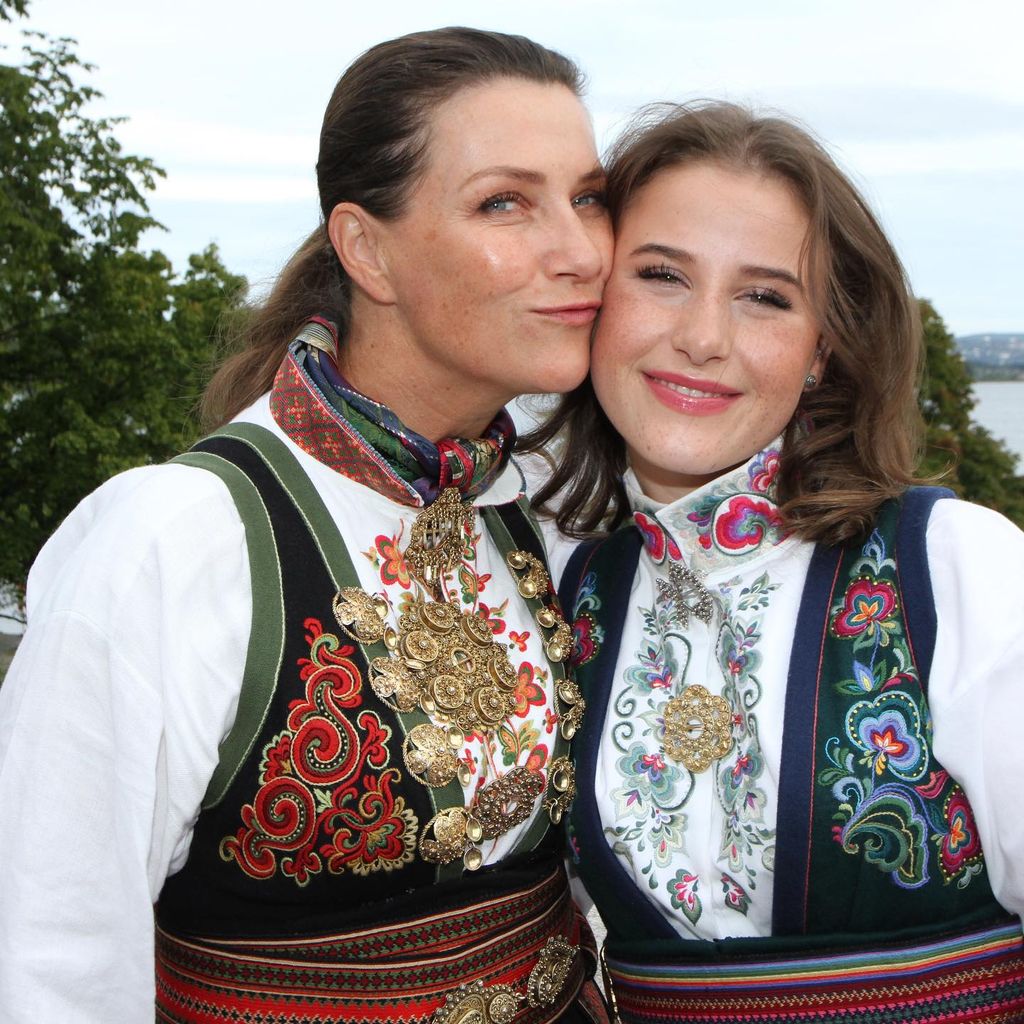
356	238
821	353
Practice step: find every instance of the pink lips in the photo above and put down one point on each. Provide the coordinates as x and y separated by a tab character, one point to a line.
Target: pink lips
710	397
577	315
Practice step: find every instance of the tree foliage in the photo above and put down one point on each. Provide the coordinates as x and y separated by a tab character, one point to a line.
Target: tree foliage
102	347
976	465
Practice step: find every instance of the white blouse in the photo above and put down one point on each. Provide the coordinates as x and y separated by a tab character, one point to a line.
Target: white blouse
701	845
124	685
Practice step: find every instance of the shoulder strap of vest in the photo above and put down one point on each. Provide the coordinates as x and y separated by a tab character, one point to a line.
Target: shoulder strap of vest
914	575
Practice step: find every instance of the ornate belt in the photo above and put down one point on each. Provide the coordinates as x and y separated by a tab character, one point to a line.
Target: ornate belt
515	958
976	976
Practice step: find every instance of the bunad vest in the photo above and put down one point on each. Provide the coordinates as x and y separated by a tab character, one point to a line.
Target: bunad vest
872	918
325	881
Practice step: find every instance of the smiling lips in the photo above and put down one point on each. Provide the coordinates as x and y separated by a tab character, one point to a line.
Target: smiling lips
577	315
690	395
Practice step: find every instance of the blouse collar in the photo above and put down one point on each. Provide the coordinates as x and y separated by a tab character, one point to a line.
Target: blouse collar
730	520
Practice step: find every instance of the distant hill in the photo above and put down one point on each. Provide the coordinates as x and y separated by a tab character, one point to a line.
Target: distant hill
993	356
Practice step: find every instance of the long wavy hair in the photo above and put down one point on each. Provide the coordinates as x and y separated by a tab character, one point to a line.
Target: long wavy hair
373	149
855	439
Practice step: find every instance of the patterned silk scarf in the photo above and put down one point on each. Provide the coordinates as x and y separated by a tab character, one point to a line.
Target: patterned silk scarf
364	440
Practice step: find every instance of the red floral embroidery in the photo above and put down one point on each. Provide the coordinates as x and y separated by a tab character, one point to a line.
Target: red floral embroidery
656	540
519	639
495	616
527	690
317	781
392	561
742	522
865	605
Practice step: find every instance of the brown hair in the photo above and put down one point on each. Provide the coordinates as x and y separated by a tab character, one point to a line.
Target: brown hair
372	151
865	425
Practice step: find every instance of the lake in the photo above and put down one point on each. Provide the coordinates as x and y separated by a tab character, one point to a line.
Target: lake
1000	410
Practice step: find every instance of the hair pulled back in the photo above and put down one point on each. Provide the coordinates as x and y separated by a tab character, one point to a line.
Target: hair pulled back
855	438
373	146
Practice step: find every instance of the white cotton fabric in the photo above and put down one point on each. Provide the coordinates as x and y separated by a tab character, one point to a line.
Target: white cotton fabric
124	685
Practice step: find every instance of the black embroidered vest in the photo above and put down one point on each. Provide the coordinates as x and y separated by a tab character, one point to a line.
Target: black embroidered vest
311	820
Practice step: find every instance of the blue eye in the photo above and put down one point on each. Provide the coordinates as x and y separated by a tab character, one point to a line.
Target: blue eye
502	203
594	198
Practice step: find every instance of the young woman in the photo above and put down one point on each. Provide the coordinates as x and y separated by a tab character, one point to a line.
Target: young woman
801	703
304	688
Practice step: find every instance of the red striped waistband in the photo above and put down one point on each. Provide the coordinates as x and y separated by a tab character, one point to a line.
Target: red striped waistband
977	975
515	958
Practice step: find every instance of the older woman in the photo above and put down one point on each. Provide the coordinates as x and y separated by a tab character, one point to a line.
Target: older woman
803	712
304	688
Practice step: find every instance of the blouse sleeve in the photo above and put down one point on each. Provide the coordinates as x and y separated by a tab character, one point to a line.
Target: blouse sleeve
976	688
110	718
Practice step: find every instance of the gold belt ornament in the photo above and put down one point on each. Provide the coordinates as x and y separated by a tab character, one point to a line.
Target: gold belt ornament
478	1003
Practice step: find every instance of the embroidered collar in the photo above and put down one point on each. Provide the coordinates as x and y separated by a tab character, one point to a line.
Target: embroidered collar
733	518
365	441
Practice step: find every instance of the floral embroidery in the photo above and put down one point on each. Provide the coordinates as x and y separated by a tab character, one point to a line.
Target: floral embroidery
736	514
587	634
656	540
518	640
763	469
528	691
683	888
735	895
388	559
743	522
867	604
495	616
887	814
321	802
888	730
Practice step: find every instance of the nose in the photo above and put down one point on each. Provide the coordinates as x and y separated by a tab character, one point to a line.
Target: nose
704	330
581	245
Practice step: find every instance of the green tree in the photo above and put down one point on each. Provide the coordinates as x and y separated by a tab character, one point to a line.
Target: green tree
102	348
978	466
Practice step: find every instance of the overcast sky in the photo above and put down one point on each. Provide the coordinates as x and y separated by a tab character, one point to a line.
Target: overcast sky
922	102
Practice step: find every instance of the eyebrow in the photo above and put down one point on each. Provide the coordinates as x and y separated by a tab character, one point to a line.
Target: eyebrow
671	252
531	177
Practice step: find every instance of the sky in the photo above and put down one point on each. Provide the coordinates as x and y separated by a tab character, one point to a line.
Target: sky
922	103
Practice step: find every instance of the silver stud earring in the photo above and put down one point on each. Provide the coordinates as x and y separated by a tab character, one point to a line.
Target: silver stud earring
810	382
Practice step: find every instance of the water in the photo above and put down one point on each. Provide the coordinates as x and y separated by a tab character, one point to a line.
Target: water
1000	410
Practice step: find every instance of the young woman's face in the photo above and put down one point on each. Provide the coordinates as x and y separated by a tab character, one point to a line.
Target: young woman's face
707	332
500	259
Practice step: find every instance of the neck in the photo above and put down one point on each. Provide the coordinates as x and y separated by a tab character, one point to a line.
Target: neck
387	366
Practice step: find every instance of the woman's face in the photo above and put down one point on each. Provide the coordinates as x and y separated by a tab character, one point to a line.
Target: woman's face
707	331
499	260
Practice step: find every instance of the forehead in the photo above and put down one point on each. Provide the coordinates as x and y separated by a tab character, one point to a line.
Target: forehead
723	209
510	121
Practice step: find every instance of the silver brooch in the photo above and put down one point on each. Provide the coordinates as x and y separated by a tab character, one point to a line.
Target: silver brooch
685	587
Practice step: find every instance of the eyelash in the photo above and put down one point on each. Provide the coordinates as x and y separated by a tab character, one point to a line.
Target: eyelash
595	198
490	204
659	272
760	296
770	297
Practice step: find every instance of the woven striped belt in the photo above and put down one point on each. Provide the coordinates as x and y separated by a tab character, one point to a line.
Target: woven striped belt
515	958
976	976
